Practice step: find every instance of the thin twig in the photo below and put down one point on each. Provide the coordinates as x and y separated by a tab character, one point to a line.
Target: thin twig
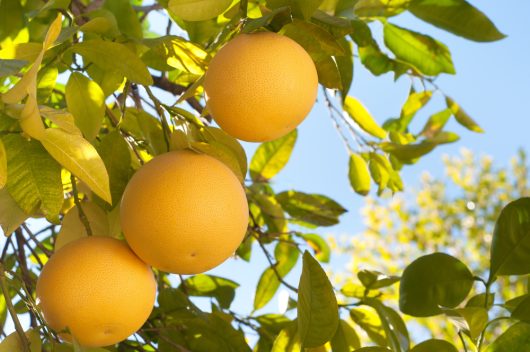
82	215
37	242
23	264
273	266
18	327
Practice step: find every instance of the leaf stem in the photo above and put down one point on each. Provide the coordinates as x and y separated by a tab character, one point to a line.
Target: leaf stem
18	327
463	341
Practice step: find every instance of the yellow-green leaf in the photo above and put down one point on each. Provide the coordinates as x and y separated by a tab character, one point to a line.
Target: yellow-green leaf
318	315
80	158
34	177
11	216
198	10
86	101
72	228
426	54
359	175
114	57
12	342
458	17
271	157
462	117
363	118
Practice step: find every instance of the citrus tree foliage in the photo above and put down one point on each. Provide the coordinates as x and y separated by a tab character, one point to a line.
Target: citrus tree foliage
457	217
81	109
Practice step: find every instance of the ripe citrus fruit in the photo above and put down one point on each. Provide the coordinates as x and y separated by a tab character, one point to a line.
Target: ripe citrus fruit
184	212
97	289
260	86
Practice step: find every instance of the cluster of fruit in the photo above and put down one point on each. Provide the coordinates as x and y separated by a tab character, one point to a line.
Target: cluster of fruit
182	212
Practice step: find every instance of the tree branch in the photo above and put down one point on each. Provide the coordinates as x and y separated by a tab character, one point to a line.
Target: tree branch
163	83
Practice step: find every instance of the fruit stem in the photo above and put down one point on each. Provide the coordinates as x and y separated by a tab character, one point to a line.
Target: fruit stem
18	327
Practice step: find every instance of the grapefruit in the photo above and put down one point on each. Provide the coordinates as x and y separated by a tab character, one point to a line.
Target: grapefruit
96	289
260	86
184	212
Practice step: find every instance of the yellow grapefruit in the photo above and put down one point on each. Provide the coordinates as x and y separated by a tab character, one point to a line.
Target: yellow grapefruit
260	86
184	212
96	289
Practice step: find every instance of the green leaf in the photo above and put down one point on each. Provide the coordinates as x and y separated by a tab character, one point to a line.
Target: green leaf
374	349
426	54
288	339
271	157
11	216
286	255
72	228
319	245
345	66
510	253
116	156
479	300
380	8
86	101
432	281
409	152
345	339
172	52
470	320
458	17
318	316
126	17
462	117
254	24
221	153
436	123
46	81
311	208
328	73
380	169
34	178
374	280
395	329
10	67
80	158
12	342
198	10
516	338
113	56
434	345
203	285
147	128
314	39
359	175
271	211
308	7
363	118
415	101
369	321
522	310
229	142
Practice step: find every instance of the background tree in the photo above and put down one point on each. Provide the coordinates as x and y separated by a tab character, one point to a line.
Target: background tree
81	110
456	217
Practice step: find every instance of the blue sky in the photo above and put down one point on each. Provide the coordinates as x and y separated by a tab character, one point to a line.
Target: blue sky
492	84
